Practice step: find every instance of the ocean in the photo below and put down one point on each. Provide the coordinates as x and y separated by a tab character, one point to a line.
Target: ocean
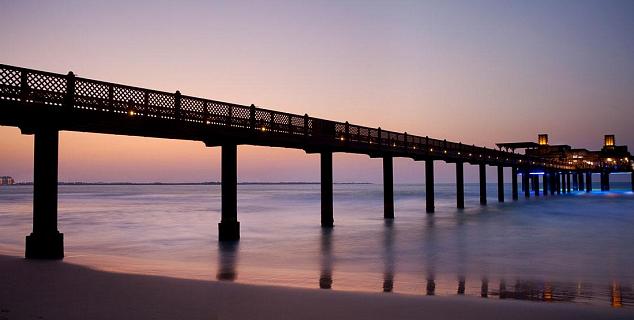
574	248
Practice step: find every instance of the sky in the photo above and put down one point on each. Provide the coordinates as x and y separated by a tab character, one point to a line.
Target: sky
478	72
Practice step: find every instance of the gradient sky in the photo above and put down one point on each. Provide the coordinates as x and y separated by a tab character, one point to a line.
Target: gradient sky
479	72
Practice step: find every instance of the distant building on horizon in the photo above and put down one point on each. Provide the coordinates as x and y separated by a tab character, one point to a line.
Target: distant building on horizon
6	180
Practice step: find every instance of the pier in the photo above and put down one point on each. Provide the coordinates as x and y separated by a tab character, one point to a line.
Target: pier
42	104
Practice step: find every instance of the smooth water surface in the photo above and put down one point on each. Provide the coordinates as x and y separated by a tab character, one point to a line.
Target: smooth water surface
575	247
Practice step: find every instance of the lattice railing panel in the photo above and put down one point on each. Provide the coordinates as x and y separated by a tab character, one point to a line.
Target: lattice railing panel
373	135
262	119
340	130
241	112
297	124
193	104
91	95
9	84
160	105
46	89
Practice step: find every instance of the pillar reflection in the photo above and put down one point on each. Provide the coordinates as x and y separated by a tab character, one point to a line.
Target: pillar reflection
388	256
430	250
484	290
325	277
616	299
431	285
227	260
461	285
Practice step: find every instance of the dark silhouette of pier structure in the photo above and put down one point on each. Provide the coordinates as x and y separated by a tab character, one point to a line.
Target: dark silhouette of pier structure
42	104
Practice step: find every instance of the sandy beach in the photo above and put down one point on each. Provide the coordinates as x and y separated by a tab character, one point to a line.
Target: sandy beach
59	290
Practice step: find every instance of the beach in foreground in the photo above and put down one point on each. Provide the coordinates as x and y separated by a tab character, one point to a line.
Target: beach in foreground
59	290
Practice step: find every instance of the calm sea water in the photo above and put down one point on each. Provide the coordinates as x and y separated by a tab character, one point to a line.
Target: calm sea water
575	247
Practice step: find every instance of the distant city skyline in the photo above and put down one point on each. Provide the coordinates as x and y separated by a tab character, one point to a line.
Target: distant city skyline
476	72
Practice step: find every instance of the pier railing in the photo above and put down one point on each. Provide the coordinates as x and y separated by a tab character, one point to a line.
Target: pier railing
69	93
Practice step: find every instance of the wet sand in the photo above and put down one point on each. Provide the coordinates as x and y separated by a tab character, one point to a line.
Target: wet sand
59	290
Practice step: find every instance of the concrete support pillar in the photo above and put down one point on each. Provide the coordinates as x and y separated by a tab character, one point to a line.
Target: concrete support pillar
553	184
327	219
536	185
568	184
500	184
525	181
575	181
558	182
582	185
388	188
514	183
545	182
460	185
229	227
45	242
588	181
429	185
483	184
602	181
607	181
632	178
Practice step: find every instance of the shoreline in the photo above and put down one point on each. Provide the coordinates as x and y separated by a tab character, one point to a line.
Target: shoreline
60	290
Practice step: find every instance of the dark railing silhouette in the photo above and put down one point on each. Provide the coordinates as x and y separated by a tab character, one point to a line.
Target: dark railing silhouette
69	92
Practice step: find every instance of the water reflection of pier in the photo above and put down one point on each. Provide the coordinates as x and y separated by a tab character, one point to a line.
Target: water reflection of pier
614	294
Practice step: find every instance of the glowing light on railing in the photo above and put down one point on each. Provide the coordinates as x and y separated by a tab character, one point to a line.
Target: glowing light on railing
393	144
470	155
414	147
131	113
342	138
263	129
431	149
208	122
458	152
609	159
445	151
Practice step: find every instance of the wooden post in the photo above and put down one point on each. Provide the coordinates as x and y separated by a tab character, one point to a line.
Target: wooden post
536	185
327	220
588	181
388	187
483	184
229	227
429	185
568	184
500	183
526	182
460	185
514	182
